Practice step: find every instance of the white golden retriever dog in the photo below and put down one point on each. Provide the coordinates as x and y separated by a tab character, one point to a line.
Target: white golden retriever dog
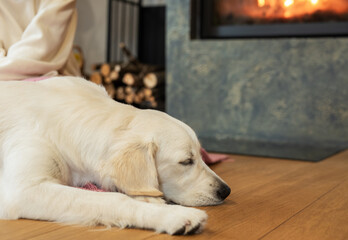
63	132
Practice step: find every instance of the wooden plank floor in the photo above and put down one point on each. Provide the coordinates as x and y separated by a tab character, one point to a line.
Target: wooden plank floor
271	199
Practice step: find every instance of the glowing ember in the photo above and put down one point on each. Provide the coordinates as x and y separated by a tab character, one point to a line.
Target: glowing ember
288	3
314	2
262	3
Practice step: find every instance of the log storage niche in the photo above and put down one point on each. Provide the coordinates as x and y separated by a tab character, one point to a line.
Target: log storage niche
132	82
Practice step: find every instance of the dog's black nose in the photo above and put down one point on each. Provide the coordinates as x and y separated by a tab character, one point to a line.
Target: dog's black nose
223	191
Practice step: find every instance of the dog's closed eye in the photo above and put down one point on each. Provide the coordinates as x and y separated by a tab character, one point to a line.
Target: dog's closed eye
187	162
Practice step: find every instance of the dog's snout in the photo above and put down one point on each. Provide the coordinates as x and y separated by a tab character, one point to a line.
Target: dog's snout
223	191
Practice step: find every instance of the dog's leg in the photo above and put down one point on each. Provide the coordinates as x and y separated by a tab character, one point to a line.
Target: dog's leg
157	200
34	190
55	202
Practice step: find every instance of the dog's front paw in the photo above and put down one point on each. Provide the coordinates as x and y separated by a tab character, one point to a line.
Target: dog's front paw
183	221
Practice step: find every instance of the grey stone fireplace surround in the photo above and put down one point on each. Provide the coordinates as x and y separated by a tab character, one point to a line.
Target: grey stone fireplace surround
285	97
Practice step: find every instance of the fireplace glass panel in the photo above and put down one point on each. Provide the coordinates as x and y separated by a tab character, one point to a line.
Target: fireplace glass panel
269	18
228	12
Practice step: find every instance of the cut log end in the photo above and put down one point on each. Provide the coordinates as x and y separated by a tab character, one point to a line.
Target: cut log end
152	80
96	78
105	69
129	79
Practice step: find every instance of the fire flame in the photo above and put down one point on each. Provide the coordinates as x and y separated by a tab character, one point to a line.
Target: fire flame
293	8
288	3
261	3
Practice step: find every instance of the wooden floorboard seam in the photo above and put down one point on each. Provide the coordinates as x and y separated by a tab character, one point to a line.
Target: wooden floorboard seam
40	234
303	209
149	237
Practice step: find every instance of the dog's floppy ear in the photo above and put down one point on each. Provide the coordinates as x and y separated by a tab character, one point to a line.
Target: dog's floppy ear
134	170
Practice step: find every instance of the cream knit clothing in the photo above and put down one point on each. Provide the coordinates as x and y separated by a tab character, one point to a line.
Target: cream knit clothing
36	38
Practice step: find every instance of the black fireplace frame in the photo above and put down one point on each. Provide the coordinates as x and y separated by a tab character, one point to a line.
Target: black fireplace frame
202	27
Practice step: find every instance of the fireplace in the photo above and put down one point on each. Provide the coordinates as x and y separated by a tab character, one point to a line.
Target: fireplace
276	97
268	18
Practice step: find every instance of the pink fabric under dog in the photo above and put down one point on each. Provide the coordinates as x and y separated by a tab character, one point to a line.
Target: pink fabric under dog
211	158
92	187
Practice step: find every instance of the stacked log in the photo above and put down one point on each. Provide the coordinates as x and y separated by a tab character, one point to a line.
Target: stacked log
132	82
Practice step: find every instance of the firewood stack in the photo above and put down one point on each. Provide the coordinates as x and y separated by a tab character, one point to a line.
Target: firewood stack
132	82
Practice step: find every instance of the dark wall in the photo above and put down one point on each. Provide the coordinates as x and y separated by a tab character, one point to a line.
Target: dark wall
271	97
152	35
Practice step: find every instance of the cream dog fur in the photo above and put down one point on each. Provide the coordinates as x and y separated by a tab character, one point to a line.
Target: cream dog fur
65	131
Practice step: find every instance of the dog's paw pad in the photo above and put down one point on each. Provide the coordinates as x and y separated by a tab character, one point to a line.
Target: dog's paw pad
181	231
194	230
187	230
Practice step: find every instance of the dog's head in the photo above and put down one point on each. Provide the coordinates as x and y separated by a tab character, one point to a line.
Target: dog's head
163	159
